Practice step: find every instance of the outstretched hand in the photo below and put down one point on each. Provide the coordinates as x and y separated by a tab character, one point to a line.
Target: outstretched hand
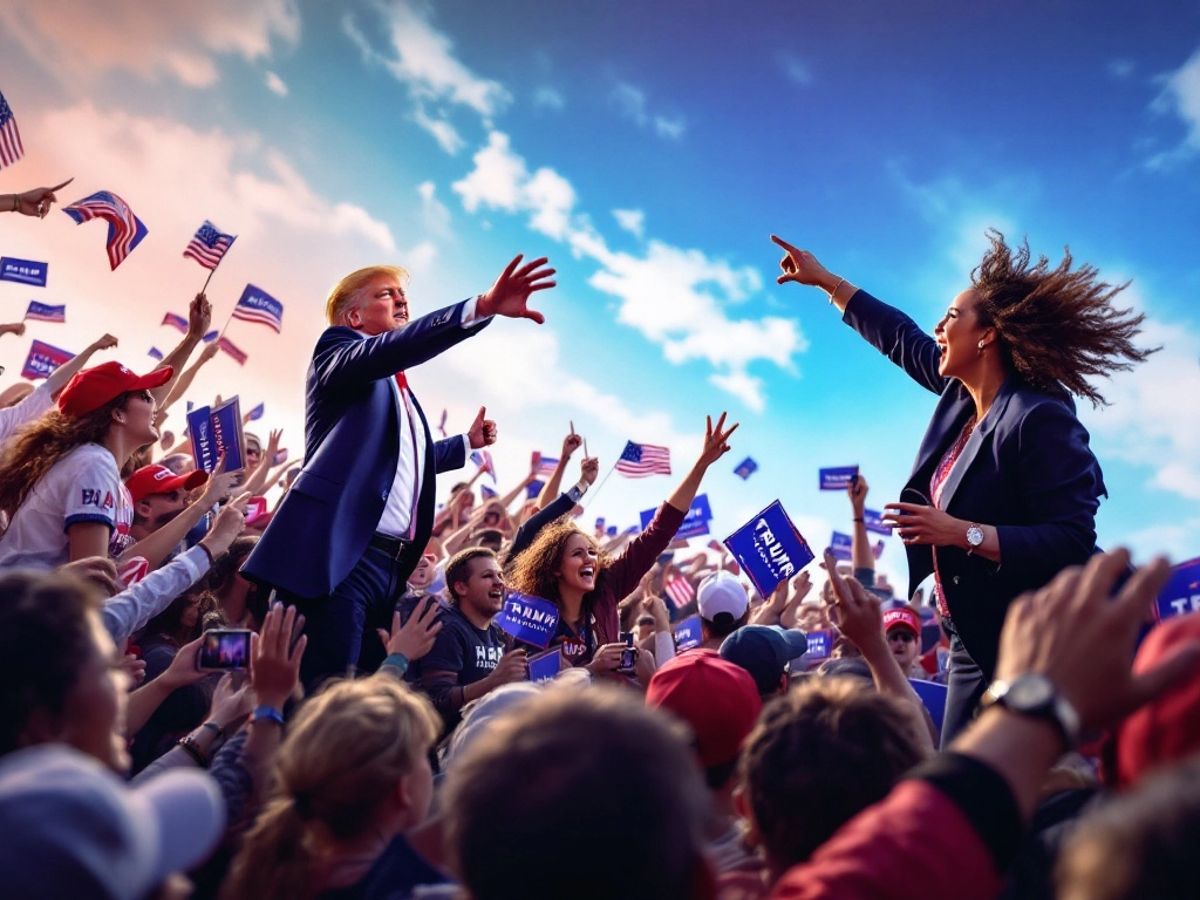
482	432
799	265
509	296
37	202
715	439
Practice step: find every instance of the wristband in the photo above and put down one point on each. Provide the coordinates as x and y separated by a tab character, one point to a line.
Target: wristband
215	727
397	661
833	293
211	559
267	713
859	519
193	751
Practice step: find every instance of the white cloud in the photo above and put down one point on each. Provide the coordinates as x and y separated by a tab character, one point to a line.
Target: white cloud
434	214
632	220
546	97
673	296
422	58
1180	96
796	69
79	39
631	101
443	132
275	84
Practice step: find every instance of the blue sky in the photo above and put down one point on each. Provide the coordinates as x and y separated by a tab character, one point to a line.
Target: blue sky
649	150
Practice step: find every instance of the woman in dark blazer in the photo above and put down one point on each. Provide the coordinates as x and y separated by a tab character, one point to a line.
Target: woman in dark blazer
1005	489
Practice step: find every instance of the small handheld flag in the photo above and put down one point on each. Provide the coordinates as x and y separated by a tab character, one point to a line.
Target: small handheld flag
256	305
257	413
239	356
543	465
642	460
176	321
125	230
483	459
11	148
43	359
746	468
208	246
44	312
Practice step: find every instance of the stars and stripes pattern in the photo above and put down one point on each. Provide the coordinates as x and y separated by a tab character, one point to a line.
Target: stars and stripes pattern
678	589
483	459
44	312
544	465
239	356
256	305
641	460
209	245
11	148
125	230
176	321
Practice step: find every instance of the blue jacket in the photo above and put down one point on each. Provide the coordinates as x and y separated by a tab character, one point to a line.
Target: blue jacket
322	528
1026	469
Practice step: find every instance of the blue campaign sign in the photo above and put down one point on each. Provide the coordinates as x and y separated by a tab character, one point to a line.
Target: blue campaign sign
528	619
545	666
838	478
933	695
820	645
769	548
215	432
687	633
24	271
873	519
1181	594
695	523
840	545
746	468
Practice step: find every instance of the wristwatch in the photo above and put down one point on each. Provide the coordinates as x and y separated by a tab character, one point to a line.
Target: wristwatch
974	537
1035	696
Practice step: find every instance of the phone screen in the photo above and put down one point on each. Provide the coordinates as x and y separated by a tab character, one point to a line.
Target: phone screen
225	649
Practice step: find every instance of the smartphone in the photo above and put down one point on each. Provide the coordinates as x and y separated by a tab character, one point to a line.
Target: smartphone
628	655
224	650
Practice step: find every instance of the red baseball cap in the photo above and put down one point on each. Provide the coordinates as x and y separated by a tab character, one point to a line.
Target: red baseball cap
92	388
902	617
717	698
156	479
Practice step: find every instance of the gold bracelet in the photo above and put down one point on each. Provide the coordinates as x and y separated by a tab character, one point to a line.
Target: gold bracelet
833	293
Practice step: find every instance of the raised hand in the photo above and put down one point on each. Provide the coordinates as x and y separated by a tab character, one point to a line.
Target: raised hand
571	443
482	432
104	342
37	202
800	266
589	469
509	296
855	610
715	440
415	637
17	328
856	490
275	658
199	316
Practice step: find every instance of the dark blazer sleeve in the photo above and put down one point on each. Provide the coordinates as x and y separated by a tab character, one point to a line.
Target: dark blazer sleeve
555	509
342	358
897	337
1060	486
449	453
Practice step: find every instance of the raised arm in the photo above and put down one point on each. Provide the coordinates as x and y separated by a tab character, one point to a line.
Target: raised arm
589	468
199	318
860	545
185	379
550	489
59	377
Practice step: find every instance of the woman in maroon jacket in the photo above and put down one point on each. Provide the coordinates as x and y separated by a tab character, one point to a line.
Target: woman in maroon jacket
564	565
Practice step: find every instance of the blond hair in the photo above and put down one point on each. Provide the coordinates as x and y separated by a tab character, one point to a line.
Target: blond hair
345	294
343	754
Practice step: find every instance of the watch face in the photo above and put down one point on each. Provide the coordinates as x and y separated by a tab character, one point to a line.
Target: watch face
974	535
1030	693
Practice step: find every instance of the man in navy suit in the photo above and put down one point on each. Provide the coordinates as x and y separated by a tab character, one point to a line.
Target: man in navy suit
353	525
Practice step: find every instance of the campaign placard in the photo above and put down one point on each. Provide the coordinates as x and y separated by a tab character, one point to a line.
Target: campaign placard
545	666
1181	594
820	645
528	619
933	695
217	431
43	359
695	523
841	545
687	633
24	271
873	519
769	548
838	478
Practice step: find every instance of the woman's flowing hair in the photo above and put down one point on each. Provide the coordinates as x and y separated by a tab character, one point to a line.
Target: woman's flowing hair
344	753
42	443
534	571
1057	327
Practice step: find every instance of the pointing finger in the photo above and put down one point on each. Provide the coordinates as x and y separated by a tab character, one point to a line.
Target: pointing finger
784	244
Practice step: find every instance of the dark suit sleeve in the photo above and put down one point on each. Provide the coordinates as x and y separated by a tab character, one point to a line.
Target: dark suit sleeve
450	453
555	509
897	337
342	358
1060	485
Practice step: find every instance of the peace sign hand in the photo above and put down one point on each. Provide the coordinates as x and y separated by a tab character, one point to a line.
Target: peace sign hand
715	440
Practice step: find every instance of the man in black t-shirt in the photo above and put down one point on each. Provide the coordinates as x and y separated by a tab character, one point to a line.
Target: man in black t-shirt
468	658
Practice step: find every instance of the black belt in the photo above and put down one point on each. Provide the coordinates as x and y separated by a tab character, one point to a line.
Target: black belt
392	546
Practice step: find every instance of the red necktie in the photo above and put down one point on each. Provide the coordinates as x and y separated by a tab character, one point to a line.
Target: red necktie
401	380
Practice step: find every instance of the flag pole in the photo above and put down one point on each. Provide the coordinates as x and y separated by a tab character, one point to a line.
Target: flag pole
211	272
593	494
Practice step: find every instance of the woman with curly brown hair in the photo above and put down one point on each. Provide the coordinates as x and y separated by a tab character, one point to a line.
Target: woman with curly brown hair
60	477
565	566
1005	486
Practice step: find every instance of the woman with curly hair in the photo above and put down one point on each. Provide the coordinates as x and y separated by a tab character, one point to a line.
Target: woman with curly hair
1005	489
60	476
565	566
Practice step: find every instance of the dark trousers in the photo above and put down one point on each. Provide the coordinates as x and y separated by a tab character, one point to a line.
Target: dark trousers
965	685
341	628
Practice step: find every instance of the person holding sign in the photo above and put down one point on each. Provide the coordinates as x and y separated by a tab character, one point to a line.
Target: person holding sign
356	521
564	565
1004	491
468	659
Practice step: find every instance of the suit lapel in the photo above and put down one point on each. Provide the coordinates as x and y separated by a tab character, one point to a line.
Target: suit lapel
975	442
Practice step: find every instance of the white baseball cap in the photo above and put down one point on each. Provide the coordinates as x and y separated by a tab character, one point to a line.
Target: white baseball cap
722	593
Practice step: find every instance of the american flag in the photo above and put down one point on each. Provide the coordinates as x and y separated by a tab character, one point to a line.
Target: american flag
543	465
209	245
155	353
125	230
483	459
211	336
640	460
679	590
257	413
44	312
228	346
176	321
256	305
487	493
11	148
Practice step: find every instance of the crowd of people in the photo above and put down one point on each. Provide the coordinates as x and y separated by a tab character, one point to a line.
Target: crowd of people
299	679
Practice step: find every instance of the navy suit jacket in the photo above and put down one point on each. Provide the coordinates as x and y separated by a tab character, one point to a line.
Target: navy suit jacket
352	444
1026	469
